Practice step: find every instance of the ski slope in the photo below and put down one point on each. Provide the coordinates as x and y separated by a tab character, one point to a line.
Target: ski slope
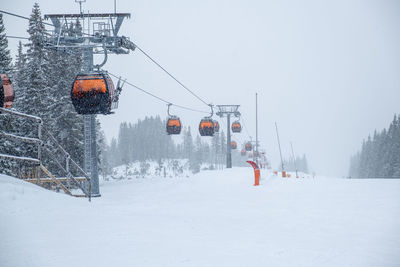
214	218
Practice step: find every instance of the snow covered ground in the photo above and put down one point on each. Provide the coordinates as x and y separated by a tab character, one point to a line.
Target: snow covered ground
214	218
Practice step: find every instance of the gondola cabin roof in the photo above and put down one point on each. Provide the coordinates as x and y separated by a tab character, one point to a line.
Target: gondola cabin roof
174	122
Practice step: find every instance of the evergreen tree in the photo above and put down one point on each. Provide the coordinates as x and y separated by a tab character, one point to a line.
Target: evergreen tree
123	144
6	146
5	58
64	123
379	155
188	146
215	148
113	153
37	96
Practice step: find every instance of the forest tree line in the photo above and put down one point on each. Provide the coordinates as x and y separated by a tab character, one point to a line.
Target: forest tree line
147	139
379	156
299	164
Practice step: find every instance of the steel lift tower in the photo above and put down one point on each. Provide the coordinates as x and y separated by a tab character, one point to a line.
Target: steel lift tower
99	36
228	111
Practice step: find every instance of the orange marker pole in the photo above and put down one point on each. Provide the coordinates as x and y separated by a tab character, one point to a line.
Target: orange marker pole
256	172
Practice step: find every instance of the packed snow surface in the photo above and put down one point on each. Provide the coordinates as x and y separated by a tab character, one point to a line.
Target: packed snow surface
214	218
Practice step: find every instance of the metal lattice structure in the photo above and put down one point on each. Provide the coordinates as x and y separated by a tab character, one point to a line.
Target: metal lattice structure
228	111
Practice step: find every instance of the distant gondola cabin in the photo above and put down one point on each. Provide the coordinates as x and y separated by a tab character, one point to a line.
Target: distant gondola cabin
93	93
6	91
236	127
206	127
243	152
248	146
233	145
174	125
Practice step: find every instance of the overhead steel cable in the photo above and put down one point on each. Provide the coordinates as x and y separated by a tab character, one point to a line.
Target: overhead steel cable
157	97
45	23
22	17
244	124
17	37
170	75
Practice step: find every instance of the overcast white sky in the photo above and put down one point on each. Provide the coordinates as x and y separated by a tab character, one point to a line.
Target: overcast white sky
326	71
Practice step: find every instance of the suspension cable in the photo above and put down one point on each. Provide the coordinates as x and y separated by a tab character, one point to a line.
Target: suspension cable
22	17
17	37
157	97
244	124
170	75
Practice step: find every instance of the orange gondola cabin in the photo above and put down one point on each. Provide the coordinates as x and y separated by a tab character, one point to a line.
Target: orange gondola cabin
243	152
248	146
206	127
174	125
93	93
6	91
216	126
236	127
233	145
